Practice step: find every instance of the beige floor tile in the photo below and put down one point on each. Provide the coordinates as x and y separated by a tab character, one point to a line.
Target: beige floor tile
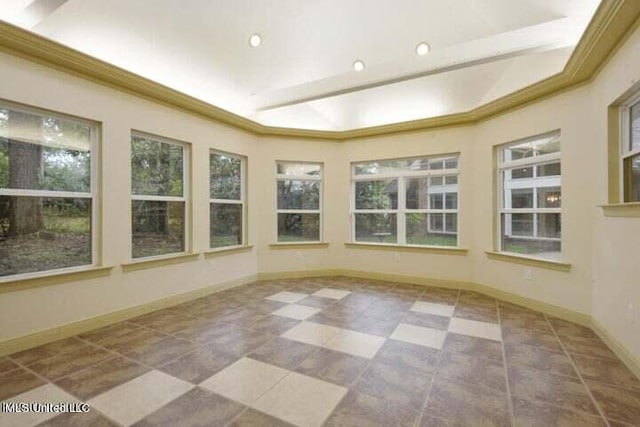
47	393
475	328
297	312
427	337
245	380
288	297
331	293
311	333
433	308
301	400
355	343
135	399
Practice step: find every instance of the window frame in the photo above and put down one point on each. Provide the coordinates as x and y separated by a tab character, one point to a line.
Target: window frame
93	194
625	147
534	162
186	195
319	211
242	201
401	211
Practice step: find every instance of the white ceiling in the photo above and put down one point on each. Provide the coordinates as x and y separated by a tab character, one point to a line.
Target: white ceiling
302	76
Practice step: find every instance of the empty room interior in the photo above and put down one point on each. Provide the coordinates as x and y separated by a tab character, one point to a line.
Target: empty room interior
320	213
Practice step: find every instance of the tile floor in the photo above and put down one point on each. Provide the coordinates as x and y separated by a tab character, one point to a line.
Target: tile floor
330	351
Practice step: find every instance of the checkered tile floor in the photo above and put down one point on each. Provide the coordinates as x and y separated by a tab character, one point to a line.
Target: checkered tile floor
329	351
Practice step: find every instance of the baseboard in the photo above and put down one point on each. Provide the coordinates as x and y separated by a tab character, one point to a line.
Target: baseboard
627	358
298	274
43	337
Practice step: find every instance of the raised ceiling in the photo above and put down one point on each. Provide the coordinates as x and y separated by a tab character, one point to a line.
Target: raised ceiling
301	76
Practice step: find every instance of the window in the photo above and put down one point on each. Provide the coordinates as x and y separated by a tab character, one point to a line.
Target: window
406	201
299	205
529	177
159	194
631	150
227	195
47	191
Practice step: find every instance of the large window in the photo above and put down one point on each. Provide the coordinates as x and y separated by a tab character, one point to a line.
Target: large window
47	191
529	176
406	201
159	194
227	199
299	205
631	150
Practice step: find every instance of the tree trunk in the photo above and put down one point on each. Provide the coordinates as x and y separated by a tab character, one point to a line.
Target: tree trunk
25	170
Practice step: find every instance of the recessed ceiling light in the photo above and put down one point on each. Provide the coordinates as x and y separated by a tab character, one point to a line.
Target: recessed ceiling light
255	40
422	48
358	65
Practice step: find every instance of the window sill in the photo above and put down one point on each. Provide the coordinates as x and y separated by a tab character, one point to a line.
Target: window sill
528	260
227	250
449	250
159	261
622	210
299	245
52	277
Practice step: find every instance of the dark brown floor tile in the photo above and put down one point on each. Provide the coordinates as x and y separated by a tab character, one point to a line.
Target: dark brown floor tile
612	372
7	365
98	335
410	293
16	382
357	410
588	347
253	418
79	419
550	388
332	366
618	404
532	338
472	298
409	356
427	320
565	328
161	352
467	404
537	414
372	325
317	302
199	365
456	343
282	352
440	295
55	348
524	320
242	317
525	356
431	421
104	376
356	301
204	331
473	370
239	342
161	319
478	313
405	387
265	306
67	363
132	340
274	325
386	312
197	407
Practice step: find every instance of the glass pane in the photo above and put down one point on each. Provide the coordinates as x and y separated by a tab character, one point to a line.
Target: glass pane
431	229
520	224
226	176
225	224
543	247
436	180
521	198
297	194
299	169
158	228
419	195
450	180
536	147
399	165
38	234
436	201
379	194
518	173
634	131
156	167
549	197
551	169
44	153
298	227
379	228
632	179
451	201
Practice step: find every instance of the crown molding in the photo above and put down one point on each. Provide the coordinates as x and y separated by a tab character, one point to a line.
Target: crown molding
609	27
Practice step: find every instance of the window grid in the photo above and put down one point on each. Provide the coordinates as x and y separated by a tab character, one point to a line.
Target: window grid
240	201
629	153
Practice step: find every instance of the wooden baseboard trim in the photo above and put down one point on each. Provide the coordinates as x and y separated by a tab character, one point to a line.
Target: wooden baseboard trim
627	358
43	337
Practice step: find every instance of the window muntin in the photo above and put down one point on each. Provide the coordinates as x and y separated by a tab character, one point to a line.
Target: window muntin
47	191
159	170
299	202
631	150
529	176
227	200
411	201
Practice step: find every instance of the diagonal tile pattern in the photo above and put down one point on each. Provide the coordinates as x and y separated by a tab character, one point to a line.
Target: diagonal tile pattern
331	351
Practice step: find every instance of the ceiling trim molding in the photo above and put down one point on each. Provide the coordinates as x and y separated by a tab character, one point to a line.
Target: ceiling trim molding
613	20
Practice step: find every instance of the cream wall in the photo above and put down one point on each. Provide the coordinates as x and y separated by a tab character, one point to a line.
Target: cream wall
603	252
